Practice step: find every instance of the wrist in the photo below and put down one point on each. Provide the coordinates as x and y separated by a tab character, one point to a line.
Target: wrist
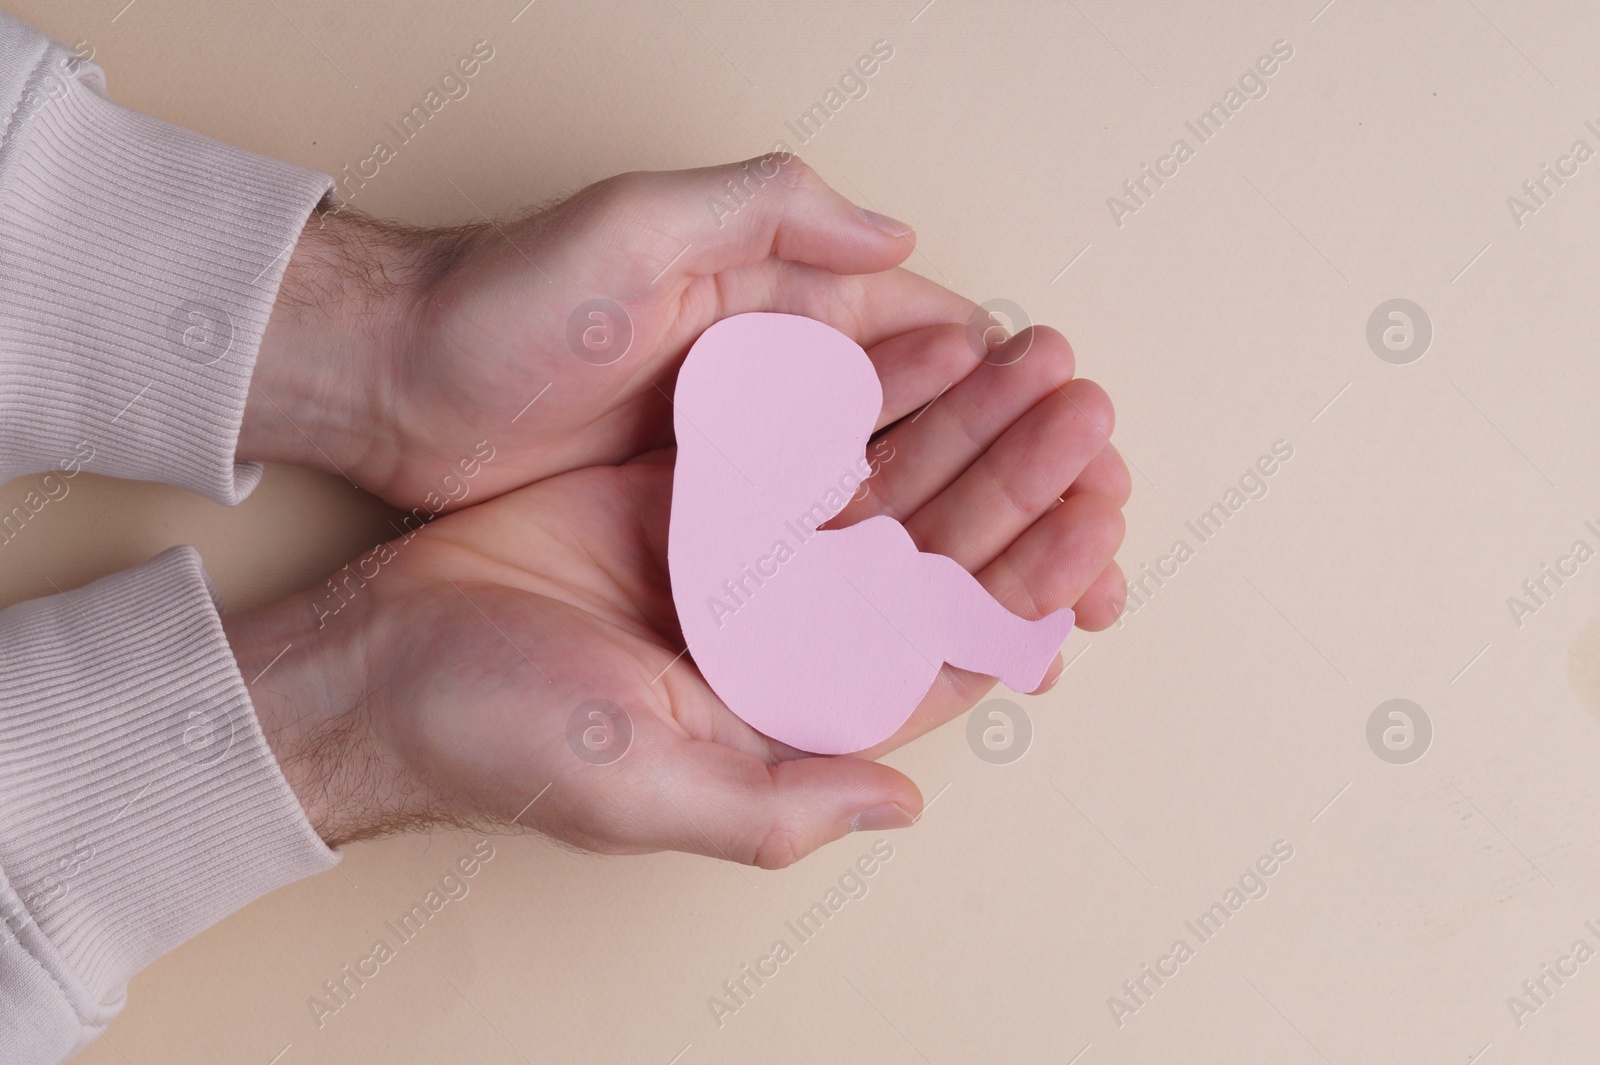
309	698
322	391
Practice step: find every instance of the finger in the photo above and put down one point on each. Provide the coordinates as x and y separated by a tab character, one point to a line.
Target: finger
1102	603
1058	559
1095	609
916	366
1021	477
704	798
700	222
1058	562
913	329
869	308
1106	475
1052	675
933	448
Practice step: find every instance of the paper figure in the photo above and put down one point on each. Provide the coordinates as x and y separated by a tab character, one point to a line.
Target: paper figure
824	640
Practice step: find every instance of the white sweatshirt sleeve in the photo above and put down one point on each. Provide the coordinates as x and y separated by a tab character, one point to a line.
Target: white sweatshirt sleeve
138	265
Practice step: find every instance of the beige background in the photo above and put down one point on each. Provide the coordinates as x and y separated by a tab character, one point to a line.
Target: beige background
1228	713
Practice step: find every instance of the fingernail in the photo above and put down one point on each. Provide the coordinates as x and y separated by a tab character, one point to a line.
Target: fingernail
885	224
889	815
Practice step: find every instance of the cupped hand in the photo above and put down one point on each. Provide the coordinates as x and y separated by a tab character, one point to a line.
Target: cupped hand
521	659
397	357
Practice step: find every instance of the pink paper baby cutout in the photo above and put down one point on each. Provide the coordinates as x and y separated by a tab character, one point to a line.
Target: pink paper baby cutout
828	640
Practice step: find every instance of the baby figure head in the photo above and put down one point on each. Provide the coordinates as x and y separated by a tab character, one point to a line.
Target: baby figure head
802	402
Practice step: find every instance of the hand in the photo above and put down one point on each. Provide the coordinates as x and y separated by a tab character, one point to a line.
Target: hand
444	691
393	353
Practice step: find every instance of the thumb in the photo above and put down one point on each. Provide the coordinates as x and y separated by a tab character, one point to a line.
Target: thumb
771	206
729	804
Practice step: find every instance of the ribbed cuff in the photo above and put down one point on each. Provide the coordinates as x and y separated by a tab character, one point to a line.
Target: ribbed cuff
139	263
142	803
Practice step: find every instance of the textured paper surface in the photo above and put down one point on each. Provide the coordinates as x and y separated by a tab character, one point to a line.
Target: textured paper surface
824	639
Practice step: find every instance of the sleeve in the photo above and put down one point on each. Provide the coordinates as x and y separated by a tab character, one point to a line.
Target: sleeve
139	263
142	803
138	266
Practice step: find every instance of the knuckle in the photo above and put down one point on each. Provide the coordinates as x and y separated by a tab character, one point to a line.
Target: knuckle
778	849
788	173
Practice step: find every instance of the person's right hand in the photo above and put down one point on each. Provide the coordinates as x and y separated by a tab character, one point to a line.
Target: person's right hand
459	681
394	351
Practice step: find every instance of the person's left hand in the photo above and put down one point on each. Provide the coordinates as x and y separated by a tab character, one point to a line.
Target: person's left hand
459	678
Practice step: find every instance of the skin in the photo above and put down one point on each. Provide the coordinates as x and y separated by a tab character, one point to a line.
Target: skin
442	692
